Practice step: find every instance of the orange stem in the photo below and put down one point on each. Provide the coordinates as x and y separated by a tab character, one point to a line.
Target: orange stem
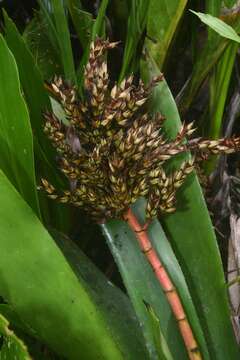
166	284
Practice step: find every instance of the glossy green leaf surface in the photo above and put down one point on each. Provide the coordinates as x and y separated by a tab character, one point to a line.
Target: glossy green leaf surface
64	41
218	25
142	286
12	347
37	281
111	301
16	143
37	101
163	18
31	79
192	237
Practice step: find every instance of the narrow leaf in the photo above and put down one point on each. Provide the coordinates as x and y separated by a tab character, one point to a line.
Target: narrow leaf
218	25
160	342
37	101
97	29
16	143
31	79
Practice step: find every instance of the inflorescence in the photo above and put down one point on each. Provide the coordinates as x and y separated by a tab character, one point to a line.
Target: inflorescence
112	151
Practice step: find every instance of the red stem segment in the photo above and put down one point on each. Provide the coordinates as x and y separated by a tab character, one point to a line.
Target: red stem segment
166	284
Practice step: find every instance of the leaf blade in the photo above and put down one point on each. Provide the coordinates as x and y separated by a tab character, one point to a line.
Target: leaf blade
162	21
42	288
16	145
218	25
195	244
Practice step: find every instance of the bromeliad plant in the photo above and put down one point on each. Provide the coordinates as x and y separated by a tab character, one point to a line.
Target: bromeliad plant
113	152
126	158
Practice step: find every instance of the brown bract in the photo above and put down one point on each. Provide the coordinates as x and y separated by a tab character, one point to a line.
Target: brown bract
112	150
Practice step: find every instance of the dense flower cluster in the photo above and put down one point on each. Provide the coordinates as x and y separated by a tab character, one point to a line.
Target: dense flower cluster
111	151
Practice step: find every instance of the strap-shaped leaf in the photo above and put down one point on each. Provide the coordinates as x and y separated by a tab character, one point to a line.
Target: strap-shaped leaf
39	284
16	142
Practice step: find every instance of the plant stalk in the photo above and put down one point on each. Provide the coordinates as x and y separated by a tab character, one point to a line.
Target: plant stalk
166	284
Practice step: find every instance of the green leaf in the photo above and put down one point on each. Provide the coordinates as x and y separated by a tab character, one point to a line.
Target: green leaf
82	20
31	80
219	88
64	40
136	25
111	301
38	101
46	56
142	285
37	281
213	7
230	3
12	347
160	343
191	234
16	143
204	63
97	29
218	25
59	35
162	21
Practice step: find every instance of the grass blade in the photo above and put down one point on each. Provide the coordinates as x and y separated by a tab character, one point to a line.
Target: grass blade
218	25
